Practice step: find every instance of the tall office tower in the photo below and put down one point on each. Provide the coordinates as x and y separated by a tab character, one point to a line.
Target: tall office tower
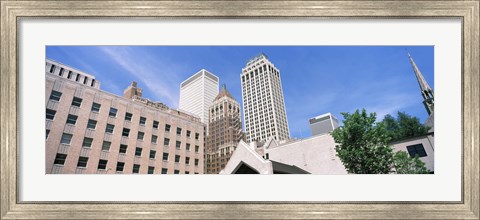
90	131
427	92
323	124
225	131
197	94
263	103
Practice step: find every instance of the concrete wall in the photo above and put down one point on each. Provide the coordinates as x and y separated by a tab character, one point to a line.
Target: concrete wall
428	144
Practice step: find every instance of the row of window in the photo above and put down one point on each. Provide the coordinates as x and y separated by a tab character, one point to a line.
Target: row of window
70	73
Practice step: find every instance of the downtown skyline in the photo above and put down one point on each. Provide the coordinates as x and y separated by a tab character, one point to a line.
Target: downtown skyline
315	79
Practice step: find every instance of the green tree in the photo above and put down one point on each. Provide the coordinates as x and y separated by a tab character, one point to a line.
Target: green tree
404	126
363	144
404	164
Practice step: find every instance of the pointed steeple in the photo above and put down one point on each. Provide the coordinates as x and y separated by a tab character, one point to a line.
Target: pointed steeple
427	92
223	93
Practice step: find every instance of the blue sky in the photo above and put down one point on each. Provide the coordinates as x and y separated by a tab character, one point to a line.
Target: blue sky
315	79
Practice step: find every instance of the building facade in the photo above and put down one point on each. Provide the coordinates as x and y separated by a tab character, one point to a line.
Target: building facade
225	131
94	132
323	124
197	94
263	104
423	146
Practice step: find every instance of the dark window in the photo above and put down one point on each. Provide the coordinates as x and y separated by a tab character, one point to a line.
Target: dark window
164	170
142	120
93	83
72	119
87	142
55	95
113	112
140	135
77	78
187	160
188	147
151	170
177	158
196	148
62	70
77	101
166	141
96	107
66	138
102	164
69	76
85	79
165	156
155	124
186	172
47	133
51	114
109	128
179	131
125	132
152	154
123	149
176	172
167	127
128	116
138	151
178	144
106	145
197	136
60	159
52	68
120	166
82	162
188	133
416	149
196	162
154	139
92	124
136	168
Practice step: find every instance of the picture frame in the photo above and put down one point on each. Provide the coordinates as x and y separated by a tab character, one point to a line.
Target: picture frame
13	11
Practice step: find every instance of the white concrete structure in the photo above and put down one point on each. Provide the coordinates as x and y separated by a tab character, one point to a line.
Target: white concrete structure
323	124
263	104
421	145
197	94
315	155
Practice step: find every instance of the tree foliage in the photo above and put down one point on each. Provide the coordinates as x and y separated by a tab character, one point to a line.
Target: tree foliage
404	164
363	144
404	126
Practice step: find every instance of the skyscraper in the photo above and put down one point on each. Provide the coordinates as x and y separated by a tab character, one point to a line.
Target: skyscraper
427	92
263	103
197	94
225	131
323	124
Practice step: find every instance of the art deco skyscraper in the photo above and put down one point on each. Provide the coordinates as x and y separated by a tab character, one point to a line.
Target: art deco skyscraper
225	131
427	92
263	103
197	94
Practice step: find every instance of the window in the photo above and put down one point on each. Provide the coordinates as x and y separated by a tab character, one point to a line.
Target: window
188	133
155	124
82	162
152	154
60	159
92	124
66	138
167	127
164	170
72	119
128	116
113	112
177	158
125	132
187	160
154	139
55	95
51	114
186	172
93	83
140	135
197	136
196	162
165	156
102	164
176	172
109	128
123	149
136	168
69	76
142	120
178	144
188	147
196	148
87	142
120	166
151	170
166	141
106	145
138	151
416	149
52	68
85	80
96	107
47	133
179	131
77	78
77	102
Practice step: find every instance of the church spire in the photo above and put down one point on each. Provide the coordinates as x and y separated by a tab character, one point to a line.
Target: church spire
427	92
